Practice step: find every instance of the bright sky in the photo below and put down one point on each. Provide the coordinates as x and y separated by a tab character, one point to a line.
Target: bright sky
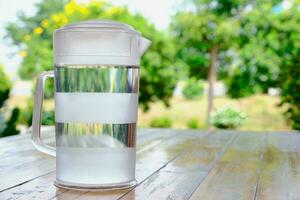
157	11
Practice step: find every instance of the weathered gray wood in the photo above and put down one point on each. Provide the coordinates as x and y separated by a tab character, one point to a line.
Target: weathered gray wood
145	140
151	160
23	173
21	144
280	176
172	164
166	185
202	154
22	162
29	163
183	174
40	188
236	175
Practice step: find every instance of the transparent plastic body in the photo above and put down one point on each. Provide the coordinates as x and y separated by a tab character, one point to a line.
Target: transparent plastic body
95	130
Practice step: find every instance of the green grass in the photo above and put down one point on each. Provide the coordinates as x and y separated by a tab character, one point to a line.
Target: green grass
261	110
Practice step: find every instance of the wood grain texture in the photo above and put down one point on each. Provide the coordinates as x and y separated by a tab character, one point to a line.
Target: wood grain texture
280	176
21	144
166	185
235	176
202	153
171	164
23	166
39	188
180	177
23	172
151	160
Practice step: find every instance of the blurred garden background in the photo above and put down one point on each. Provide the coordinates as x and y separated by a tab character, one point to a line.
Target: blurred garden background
212	63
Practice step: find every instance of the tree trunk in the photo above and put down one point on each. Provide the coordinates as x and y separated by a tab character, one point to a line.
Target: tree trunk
211	81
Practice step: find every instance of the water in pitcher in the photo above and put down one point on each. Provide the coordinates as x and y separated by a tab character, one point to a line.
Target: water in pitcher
92	152
96	165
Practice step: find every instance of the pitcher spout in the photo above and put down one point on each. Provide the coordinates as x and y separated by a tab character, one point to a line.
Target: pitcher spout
144	45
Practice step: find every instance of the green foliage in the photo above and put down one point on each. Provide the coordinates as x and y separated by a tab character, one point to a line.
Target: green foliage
275	61
161	122
48	118
7	126
33	36
193	89
11	124
259	65
203	28
226	118
193	124
241	84
265	41
290	68
27	113
48	89
4	87
249	57
290	87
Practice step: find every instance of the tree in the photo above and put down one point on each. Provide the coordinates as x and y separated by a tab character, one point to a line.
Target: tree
288	26
33	35
269	51
7	125
259	65
290	95
207	30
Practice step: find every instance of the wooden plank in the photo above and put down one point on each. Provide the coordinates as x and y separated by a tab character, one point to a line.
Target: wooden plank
13	138
151	160
203	153
169	149
235	180
41	188
22	143
163	135
23	173
46	132
166	185
22	162
180	177
280	176
148	138
30	163
235	176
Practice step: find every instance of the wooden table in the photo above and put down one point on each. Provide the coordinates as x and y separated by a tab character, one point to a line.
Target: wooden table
172	164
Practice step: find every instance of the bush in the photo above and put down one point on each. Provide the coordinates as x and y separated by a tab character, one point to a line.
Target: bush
48	89
161	122
290	95
241	83
193	89
7	126
48	118
27	113
226	118
11	124
193	124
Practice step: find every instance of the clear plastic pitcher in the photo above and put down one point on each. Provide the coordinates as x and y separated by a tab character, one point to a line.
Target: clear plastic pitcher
96	100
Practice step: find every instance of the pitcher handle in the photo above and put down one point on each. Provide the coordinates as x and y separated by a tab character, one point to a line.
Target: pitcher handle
37	115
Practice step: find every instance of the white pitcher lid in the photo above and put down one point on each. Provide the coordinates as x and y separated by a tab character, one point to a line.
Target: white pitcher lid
98	42
100	25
